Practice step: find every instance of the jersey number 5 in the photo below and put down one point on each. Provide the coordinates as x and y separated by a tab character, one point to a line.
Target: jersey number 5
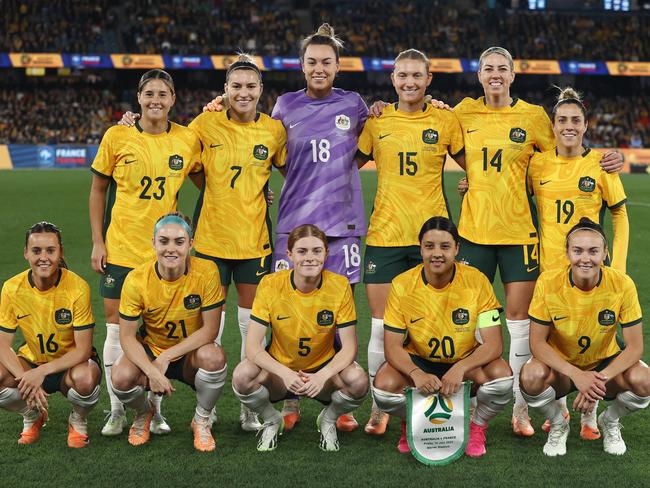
303	347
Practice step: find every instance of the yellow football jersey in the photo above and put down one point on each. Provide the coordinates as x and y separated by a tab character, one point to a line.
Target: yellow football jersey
440	323
146	172
498	146
170	310
47	319
233	220
303	325
409	149
567	189
583	323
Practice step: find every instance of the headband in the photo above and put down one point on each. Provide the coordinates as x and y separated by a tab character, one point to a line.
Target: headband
589	229
244	65
172	219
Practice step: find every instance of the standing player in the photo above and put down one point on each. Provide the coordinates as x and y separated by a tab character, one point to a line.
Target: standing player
569	184
409	144
51	307
433	313
322	185
179	300
574	313
233	223
306	308
497	227
137	175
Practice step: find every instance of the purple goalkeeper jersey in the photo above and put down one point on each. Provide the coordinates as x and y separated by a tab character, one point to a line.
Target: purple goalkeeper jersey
322	185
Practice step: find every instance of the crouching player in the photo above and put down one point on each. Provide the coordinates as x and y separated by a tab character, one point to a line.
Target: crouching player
51	307
432	314
179	300
305	308
573	314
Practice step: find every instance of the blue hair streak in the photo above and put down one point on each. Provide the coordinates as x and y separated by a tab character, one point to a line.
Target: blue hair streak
172	219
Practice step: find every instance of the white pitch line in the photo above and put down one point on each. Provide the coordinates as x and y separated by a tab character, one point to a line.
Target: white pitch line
638	204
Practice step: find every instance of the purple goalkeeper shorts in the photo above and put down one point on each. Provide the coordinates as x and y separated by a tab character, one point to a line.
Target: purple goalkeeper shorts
344	257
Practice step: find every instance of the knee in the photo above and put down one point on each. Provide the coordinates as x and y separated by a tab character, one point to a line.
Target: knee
122	378
7	379
386	380
497	369
242	377
211	357
356	382
639	379
533	377
83	380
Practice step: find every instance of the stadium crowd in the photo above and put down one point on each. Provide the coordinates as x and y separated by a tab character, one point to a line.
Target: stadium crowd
81	114
440	28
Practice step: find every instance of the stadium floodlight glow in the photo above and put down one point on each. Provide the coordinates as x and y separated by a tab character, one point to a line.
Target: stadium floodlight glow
617	5
536	4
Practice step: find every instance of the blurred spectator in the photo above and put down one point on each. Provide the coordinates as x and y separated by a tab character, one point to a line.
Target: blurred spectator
378	28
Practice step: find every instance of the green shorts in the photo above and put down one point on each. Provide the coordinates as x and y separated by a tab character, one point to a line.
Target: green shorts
52	382
111	282
382	264
516	262
247	271
429	367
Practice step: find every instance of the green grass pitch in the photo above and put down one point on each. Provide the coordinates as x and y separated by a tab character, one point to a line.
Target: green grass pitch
62	197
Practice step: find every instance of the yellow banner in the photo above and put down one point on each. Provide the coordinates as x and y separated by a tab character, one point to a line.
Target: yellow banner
441	65
222	62
137	61
36	60
351	64
5	157
537	67
621	68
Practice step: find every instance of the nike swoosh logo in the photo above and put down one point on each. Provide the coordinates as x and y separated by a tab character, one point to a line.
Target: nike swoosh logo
152	310
257	273
18	317
530	270
521	355
291	126
495	318
469	131
542	183
559	318
414	321
350	273
382	136
129	162
282	318
215	145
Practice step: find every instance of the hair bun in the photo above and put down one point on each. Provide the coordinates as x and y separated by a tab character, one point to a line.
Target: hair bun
325	30
569	93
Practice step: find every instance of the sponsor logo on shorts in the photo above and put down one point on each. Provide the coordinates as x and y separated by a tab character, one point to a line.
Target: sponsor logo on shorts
587	184
460	316
281	264
325	317
260	273
606	317
343	122
176	162
371	267
517	135
261	152
63	316
109	281
192	301
430	136
440	409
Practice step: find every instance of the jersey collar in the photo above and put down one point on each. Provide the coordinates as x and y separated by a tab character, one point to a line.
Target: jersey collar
160	277
257	115
30	280
424	277
140	129
584	154
512	104
600	278
293	283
